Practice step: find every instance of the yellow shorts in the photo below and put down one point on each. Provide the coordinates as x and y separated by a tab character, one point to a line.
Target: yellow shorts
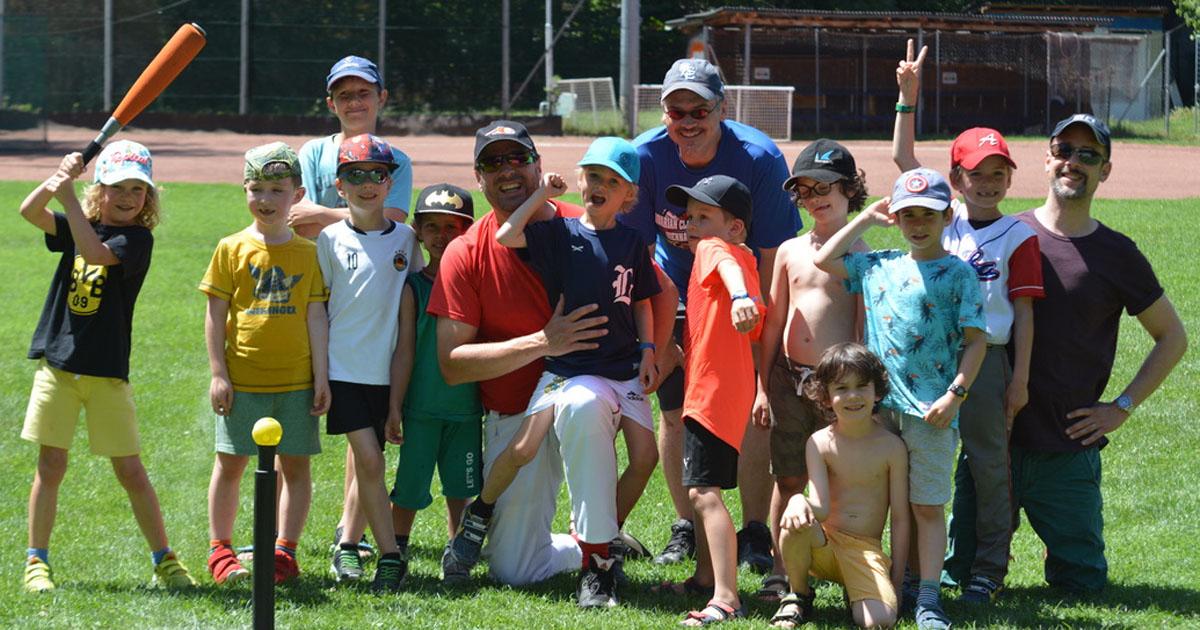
53	412
857	563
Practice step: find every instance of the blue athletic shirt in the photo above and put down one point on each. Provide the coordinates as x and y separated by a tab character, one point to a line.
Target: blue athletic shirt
745	154
318	169
610	268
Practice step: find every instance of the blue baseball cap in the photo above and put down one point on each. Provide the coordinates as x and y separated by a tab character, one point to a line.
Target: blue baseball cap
696	75
921	188
1095	125
353	66
615	153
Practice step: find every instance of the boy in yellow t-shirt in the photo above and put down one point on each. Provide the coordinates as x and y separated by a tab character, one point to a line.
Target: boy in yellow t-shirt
267	340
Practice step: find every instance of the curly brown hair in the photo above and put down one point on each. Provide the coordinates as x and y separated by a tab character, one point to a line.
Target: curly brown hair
147	218
841	360
855	190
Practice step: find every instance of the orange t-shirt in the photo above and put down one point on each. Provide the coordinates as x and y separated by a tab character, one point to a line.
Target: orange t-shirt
720	367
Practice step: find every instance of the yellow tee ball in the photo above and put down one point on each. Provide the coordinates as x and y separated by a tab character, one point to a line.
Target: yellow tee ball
267	432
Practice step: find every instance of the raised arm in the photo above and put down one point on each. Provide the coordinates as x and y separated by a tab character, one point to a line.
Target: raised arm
1170	342
512	233
908	80
33	208
829	257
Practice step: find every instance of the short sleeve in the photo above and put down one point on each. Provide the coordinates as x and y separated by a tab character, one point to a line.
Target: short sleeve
645	280
710	253
325	256
641	216
317	291
416	257
970	307
775	218
542	242
1134	278
218	278
1025	270
132	247
400	196
61	240
309	167
455	295
856	265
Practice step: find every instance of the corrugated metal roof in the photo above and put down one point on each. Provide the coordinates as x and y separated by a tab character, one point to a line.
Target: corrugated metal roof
726	16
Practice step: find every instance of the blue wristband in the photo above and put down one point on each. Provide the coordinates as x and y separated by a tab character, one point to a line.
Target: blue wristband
738	296
646	345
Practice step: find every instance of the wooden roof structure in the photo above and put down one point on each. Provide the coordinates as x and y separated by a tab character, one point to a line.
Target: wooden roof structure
887	20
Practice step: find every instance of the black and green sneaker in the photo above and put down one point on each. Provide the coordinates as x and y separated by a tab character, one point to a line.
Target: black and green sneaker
347	565
390	572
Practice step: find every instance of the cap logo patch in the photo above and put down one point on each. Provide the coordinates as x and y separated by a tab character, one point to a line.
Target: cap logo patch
916	183
989	139
704	182
501	131
825	158
687	71
445	198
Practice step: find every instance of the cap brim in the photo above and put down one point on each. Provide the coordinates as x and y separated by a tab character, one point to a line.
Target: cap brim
440	211
350	73
609	164
700	89
1096	133
973	159
116	177
527	144
917	202
392	166
820	175
679	195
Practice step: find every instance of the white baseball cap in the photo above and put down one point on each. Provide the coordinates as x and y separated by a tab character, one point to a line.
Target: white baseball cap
122	160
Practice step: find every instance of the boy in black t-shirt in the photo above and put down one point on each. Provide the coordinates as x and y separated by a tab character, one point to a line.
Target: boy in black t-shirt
82	342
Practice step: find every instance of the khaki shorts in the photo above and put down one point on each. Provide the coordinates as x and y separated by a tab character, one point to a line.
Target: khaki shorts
54	405
794	417
930	456
857	563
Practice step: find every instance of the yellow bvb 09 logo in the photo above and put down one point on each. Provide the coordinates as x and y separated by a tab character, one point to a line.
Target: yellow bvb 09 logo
87	287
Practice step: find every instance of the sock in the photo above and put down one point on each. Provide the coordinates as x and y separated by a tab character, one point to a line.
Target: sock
930	594
481	509
910	580
599	549
218	542
401	542
286	546
349	547
41	553
158	556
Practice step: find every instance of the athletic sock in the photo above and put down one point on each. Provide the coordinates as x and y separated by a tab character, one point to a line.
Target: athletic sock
589	549
482	509
158	556
401	542
41	553
286	546
929	595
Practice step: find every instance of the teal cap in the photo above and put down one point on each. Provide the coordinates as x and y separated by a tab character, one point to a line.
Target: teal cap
615	153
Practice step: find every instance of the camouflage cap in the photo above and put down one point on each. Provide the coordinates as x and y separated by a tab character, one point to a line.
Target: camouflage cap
258	158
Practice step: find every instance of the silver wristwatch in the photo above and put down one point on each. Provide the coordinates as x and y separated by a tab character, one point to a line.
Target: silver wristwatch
1124	403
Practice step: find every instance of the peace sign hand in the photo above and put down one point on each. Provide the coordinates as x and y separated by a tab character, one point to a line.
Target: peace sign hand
908	75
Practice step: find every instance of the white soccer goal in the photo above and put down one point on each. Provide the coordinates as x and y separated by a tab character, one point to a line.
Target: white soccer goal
587	105
768	108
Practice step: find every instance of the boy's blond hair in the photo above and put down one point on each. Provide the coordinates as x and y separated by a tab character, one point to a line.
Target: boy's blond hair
148	217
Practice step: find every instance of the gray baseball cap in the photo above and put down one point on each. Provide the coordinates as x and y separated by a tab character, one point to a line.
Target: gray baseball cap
1095	125
920	187
696	75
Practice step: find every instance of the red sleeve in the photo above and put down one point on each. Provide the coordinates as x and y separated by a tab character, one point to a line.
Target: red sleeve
454	293
710	253
1025	271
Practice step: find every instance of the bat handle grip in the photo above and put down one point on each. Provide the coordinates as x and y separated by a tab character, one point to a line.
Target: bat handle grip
92	150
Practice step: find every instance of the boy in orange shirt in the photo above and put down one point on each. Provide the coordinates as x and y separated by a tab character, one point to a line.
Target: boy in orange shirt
724	305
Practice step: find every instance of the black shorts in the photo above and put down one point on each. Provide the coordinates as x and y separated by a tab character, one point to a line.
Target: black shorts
707	460
670	392
354	406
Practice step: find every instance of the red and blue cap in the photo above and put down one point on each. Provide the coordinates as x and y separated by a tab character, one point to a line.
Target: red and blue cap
366	148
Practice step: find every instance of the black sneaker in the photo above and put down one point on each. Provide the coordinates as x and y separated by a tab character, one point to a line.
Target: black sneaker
618	551
467	544
597	584
754	547
347	565
682	544
390	572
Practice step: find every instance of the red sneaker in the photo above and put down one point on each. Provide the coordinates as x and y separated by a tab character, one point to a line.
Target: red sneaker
286	567
224	566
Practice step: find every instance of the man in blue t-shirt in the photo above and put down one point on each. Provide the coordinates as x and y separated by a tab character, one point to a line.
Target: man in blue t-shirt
695	142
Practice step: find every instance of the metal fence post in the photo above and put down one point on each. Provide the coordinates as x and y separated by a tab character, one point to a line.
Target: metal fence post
937	76
244	60
504	59
817	74
108	54
382	42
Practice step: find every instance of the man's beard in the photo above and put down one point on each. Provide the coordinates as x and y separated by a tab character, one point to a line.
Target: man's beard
1062	191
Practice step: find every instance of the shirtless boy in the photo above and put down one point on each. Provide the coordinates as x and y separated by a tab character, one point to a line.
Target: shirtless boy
858	471
810	311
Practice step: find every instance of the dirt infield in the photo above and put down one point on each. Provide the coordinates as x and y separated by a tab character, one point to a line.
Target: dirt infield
1141	171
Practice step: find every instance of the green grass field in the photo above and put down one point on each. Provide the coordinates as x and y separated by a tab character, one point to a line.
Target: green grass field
102	564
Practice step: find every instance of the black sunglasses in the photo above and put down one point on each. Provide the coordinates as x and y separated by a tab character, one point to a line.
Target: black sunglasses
358	176
800	191
1086	156
516	158
700	113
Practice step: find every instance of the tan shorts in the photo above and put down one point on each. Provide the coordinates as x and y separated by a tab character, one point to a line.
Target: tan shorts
857	563
794	417
54	405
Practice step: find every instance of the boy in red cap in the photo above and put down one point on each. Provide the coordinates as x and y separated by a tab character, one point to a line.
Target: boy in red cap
1004	253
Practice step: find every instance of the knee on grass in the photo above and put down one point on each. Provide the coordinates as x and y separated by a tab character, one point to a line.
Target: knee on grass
872	613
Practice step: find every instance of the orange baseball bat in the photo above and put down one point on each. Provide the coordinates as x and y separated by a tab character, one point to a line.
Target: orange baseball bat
175	55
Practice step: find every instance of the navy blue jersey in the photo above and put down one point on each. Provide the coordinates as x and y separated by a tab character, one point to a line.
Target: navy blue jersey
745	154
610	268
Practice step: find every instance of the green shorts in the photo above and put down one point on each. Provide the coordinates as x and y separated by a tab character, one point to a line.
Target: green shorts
301	431
930	456
454	446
